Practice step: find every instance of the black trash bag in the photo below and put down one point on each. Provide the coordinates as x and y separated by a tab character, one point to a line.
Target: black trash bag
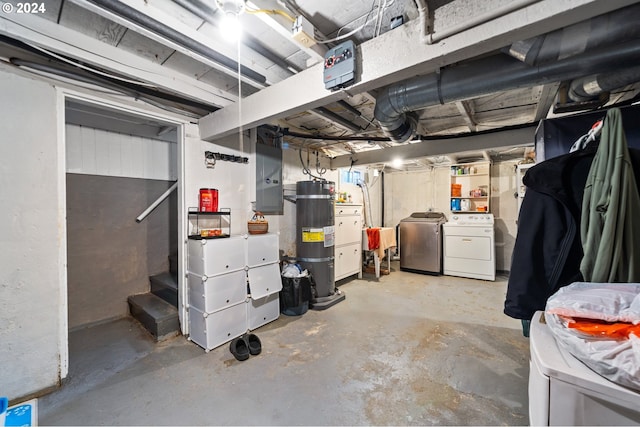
295	295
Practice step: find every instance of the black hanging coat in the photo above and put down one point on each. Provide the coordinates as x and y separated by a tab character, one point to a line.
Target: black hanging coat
548	248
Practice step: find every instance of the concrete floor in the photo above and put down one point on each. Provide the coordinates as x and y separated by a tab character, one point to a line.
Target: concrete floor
408	349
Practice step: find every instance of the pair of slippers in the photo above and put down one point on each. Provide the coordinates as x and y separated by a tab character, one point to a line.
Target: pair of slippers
245	345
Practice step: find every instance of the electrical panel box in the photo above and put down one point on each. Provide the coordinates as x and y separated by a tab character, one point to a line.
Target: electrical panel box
269	194
340	66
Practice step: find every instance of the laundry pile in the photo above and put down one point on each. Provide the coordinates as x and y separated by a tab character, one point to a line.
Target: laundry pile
599	323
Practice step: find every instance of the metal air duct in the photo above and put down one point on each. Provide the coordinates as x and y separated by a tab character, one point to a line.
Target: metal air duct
587	88
487	75
618	26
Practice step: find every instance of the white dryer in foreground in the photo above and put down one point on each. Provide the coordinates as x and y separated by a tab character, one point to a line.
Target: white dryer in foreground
564	391
468	246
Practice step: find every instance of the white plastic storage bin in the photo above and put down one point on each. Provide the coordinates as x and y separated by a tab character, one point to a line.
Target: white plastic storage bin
210	330
263	310
209	294
210	257
262	249
264	280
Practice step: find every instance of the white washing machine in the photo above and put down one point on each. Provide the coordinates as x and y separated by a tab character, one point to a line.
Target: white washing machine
468	246
564	391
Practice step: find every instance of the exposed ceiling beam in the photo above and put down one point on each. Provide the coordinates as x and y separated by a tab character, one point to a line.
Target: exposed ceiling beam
380	62
32	29
158	15
546	99
446	147
466	111
285	30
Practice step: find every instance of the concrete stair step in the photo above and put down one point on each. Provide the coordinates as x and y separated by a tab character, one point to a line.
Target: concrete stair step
165	285
157	316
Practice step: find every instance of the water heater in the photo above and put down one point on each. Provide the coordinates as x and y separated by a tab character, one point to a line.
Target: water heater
315	238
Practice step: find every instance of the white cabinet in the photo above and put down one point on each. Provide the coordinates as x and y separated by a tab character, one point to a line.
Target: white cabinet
470	189
211	257
233	286
348	240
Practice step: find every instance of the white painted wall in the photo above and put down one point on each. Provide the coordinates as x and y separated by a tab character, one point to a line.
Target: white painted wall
414	191
32	239
505	209
98	152
232	180
286	224
33	299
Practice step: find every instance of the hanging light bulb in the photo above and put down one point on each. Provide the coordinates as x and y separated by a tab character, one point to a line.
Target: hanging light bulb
230	26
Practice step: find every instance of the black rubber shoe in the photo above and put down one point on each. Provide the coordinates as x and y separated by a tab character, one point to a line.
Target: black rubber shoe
239	348
255	346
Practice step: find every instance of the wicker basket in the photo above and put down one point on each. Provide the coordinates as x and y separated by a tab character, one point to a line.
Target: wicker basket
258	224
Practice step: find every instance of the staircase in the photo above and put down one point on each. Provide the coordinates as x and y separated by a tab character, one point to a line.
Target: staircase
157	310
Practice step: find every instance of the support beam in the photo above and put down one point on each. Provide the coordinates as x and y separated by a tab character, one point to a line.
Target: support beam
285	29
34	30
466	111
381	61
445	147
547	97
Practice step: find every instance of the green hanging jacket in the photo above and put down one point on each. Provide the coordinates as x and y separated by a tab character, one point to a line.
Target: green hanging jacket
610	224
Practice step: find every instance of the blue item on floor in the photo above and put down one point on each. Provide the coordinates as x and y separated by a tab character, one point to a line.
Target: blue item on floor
23	414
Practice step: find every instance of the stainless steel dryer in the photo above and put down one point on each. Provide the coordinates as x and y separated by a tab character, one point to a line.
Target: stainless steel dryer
421	242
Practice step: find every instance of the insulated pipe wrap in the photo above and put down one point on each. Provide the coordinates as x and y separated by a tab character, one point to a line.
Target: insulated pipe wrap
589	87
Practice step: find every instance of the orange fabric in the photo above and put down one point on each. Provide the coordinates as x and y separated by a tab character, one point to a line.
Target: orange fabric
380	239
387	240
617	330
373	238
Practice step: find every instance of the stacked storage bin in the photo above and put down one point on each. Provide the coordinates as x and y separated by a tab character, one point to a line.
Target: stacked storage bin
263	270
221	304
217	281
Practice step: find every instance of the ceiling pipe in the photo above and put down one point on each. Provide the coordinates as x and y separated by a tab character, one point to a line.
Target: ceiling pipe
325	112
207	13
589	87
150	24
425	19
487	75
129	89
620	25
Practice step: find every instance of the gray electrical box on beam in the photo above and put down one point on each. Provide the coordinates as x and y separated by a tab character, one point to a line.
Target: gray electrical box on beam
340	66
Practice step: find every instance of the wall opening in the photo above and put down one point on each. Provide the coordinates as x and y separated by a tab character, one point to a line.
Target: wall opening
117	164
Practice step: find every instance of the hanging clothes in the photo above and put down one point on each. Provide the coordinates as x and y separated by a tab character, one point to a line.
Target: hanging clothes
610	224
548	249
